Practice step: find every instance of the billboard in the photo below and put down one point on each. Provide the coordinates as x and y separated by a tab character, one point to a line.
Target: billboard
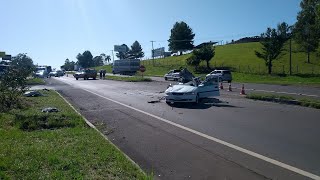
158	52
120	48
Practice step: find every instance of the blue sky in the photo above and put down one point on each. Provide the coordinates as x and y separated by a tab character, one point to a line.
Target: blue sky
50	31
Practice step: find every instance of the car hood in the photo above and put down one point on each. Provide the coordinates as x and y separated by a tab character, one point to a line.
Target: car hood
181	88
217	74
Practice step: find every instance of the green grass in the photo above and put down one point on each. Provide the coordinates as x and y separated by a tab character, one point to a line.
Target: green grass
276	79
35	81
128	79
69	151
307	102
246	67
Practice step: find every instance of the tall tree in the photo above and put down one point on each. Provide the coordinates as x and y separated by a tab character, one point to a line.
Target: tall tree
272	41
307	32
108	58
136	51
85	60
205	53
123	55
98	61
181	38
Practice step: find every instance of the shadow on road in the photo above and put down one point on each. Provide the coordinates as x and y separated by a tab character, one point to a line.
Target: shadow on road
204	104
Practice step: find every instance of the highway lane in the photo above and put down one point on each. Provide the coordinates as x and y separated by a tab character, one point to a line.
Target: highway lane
291	90
282	132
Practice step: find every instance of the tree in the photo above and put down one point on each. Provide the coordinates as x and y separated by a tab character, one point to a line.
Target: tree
307	32
193	61
108	58
181	38
136	51
123	55
23	63
205	53
85	60
13	82
272	41
68	66
98	61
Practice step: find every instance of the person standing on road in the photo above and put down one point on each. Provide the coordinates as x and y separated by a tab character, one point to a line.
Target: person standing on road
104	73
100	72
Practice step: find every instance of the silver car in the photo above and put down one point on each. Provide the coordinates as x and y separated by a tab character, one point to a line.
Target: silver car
173	74
224	75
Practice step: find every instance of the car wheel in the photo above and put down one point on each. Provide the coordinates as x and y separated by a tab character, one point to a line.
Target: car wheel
94	78
77	78
166	78
229	81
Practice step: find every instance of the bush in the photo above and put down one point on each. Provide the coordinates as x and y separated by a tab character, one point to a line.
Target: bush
193	61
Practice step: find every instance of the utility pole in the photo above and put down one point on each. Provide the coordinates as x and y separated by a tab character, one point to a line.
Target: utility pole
152	52
112	56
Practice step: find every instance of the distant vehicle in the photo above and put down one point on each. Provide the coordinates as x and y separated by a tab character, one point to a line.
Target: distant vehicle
86	74
224	75
193	91
126	66
173	75
42	71
57	73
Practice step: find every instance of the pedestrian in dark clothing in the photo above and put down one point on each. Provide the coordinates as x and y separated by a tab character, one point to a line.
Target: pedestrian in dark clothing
104	73
100	72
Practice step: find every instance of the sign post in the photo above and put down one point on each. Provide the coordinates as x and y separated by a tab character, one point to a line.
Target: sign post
142	69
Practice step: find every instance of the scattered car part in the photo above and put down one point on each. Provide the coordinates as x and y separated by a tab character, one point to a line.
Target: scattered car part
49	110
32	94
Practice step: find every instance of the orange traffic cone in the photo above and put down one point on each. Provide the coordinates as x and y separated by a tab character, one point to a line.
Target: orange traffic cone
242	92
221	86
229	89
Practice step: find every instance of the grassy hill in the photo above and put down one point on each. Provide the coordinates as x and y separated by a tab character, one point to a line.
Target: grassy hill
246	67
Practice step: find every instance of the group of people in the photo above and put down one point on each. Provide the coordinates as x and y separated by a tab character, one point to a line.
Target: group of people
102	73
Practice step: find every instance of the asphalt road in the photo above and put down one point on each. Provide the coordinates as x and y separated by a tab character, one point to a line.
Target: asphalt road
229	138
291	90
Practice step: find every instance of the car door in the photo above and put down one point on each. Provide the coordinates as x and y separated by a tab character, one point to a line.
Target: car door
209	88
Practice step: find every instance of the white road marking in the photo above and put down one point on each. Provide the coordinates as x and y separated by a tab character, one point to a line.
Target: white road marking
243	150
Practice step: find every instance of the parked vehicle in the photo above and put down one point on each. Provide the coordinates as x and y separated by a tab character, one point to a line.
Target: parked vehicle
224	75
86	74
126	66
193	91
173	75
57	73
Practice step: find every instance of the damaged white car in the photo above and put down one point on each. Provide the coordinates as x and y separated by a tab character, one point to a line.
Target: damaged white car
193	91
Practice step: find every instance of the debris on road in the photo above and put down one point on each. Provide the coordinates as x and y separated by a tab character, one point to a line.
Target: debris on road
49	110
32	94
